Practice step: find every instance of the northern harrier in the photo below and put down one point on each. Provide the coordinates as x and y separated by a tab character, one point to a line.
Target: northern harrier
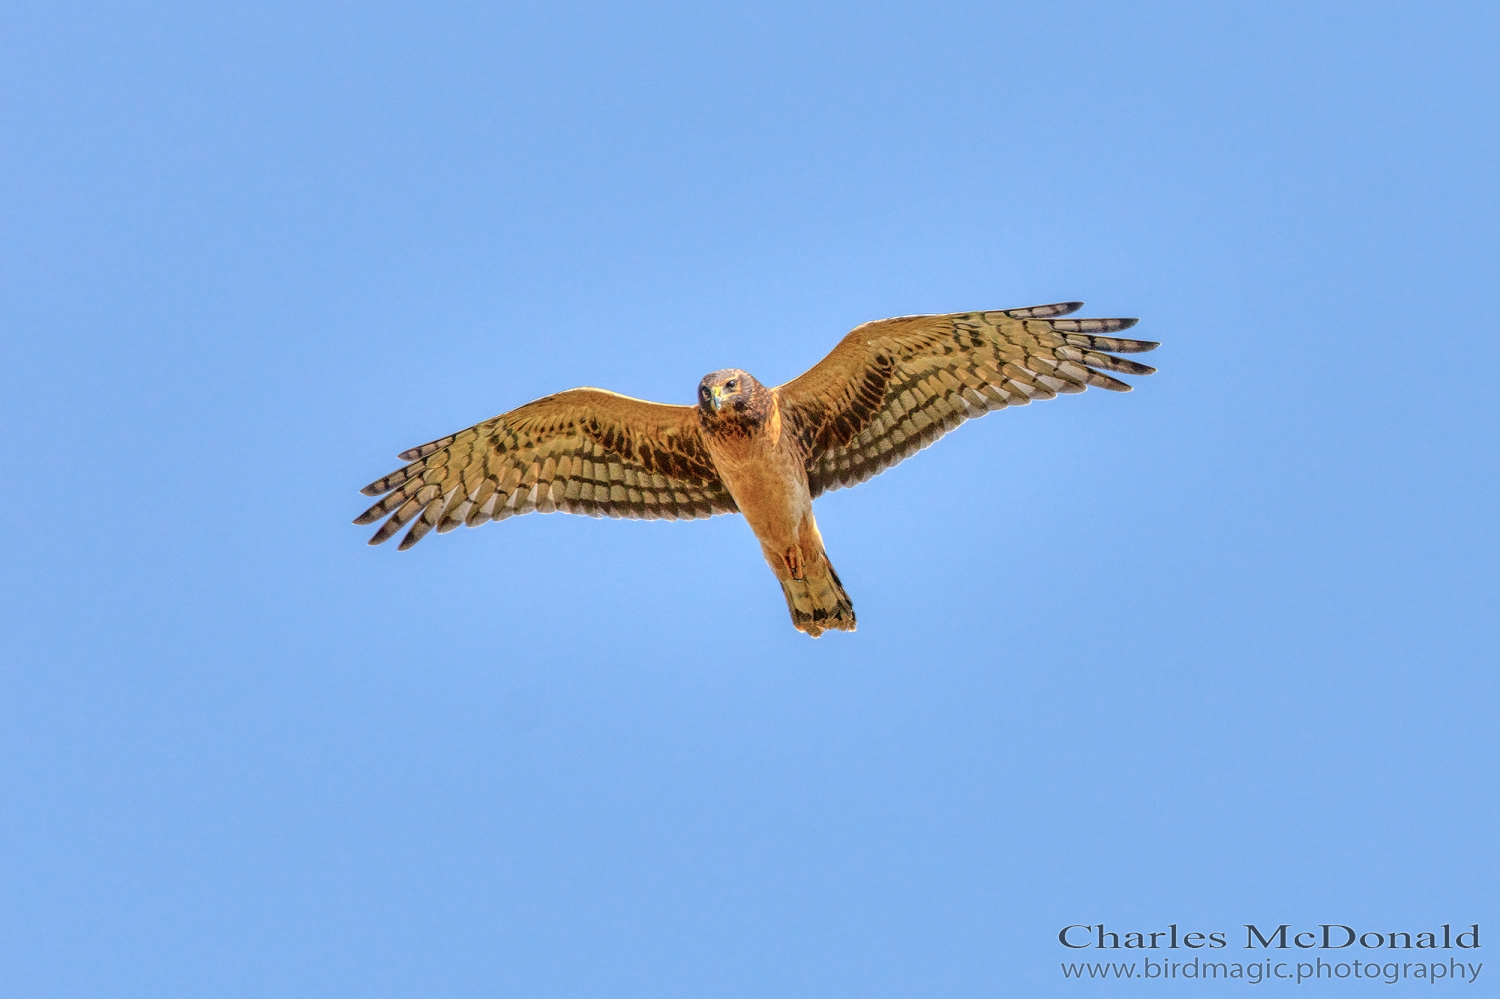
887	390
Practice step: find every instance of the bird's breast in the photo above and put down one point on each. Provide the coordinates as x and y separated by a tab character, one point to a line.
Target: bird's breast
768	480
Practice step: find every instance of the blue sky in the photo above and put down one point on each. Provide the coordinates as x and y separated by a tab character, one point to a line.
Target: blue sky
1219	651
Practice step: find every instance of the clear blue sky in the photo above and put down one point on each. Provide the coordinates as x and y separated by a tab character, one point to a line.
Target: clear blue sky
1219	651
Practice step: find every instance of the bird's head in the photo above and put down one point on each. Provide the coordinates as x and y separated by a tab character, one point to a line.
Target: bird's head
733	400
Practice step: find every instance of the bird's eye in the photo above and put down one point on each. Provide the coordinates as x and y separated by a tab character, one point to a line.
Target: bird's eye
730	384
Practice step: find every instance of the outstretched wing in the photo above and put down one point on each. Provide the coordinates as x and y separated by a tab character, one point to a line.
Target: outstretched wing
581	451
892	387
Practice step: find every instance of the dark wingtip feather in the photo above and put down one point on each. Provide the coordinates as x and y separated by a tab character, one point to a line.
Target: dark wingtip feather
1119	365
389	482
1110	343
1099	380
389	528
1045	311
423	450
1092	325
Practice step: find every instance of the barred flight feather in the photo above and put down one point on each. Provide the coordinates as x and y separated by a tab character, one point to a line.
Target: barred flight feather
891	388
585	451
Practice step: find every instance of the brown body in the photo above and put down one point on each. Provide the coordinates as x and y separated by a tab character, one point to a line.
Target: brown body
764	467
887	390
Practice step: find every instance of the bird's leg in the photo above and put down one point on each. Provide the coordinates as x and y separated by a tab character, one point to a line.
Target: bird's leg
793	559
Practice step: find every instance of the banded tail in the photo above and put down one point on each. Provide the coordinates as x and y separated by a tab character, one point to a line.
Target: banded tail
817	601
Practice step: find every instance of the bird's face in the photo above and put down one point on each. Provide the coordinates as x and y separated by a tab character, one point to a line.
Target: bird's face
734	397
729	389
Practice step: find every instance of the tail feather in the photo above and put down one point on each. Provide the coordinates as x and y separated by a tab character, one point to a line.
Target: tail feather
817	601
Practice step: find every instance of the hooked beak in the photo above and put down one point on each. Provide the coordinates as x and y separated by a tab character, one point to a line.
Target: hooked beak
715	396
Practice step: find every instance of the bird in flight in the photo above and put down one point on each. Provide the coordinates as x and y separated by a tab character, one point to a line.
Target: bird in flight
889	389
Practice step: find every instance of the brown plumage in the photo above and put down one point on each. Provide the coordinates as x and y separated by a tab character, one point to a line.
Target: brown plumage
887	390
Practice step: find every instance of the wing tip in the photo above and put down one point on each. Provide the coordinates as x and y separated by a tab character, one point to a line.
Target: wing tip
1044	311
